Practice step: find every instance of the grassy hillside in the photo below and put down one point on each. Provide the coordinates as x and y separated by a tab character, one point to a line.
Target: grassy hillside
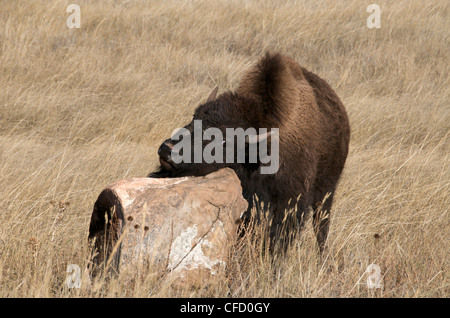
81	108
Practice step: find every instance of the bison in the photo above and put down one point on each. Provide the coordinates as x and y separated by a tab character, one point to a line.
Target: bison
313	142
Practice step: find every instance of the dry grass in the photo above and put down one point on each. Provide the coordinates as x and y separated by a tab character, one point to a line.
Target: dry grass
82	108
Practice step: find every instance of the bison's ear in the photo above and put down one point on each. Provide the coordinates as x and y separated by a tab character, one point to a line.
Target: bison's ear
213	94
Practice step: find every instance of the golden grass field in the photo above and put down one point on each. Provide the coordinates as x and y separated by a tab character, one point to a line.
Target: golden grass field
82	108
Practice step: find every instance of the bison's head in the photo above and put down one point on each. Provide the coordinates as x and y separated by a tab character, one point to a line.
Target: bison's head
221	134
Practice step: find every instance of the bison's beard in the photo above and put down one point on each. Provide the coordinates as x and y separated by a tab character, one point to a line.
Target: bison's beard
167	170
160	173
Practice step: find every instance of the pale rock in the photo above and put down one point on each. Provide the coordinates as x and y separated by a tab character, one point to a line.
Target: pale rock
181	228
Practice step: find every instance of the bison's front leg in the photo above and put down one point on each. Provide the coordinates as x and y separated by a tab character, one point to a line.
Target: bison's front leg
321	221
321	226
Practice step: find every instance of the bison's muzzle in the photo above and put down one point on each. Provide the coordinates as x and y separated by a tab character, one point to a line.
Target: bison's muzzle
165	157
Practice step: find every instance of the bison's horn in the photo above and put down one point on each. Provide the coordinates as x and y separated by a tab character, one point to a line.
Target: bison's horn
213	94
257	138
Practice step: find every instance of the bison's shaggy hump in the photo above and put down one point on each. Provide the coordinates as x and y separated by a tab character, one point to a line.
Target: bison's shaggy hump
271	82
314	134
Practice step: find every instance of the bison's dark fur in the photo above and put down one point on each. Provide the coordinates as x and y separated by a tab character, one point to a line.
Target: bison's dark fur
314	135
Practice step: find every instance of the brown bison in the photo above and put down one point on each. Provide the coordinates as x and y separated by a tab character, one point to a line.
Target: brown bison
313	141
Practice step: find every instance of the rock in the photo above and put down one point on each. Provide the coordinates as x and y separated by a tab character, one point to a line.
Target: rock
182	226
